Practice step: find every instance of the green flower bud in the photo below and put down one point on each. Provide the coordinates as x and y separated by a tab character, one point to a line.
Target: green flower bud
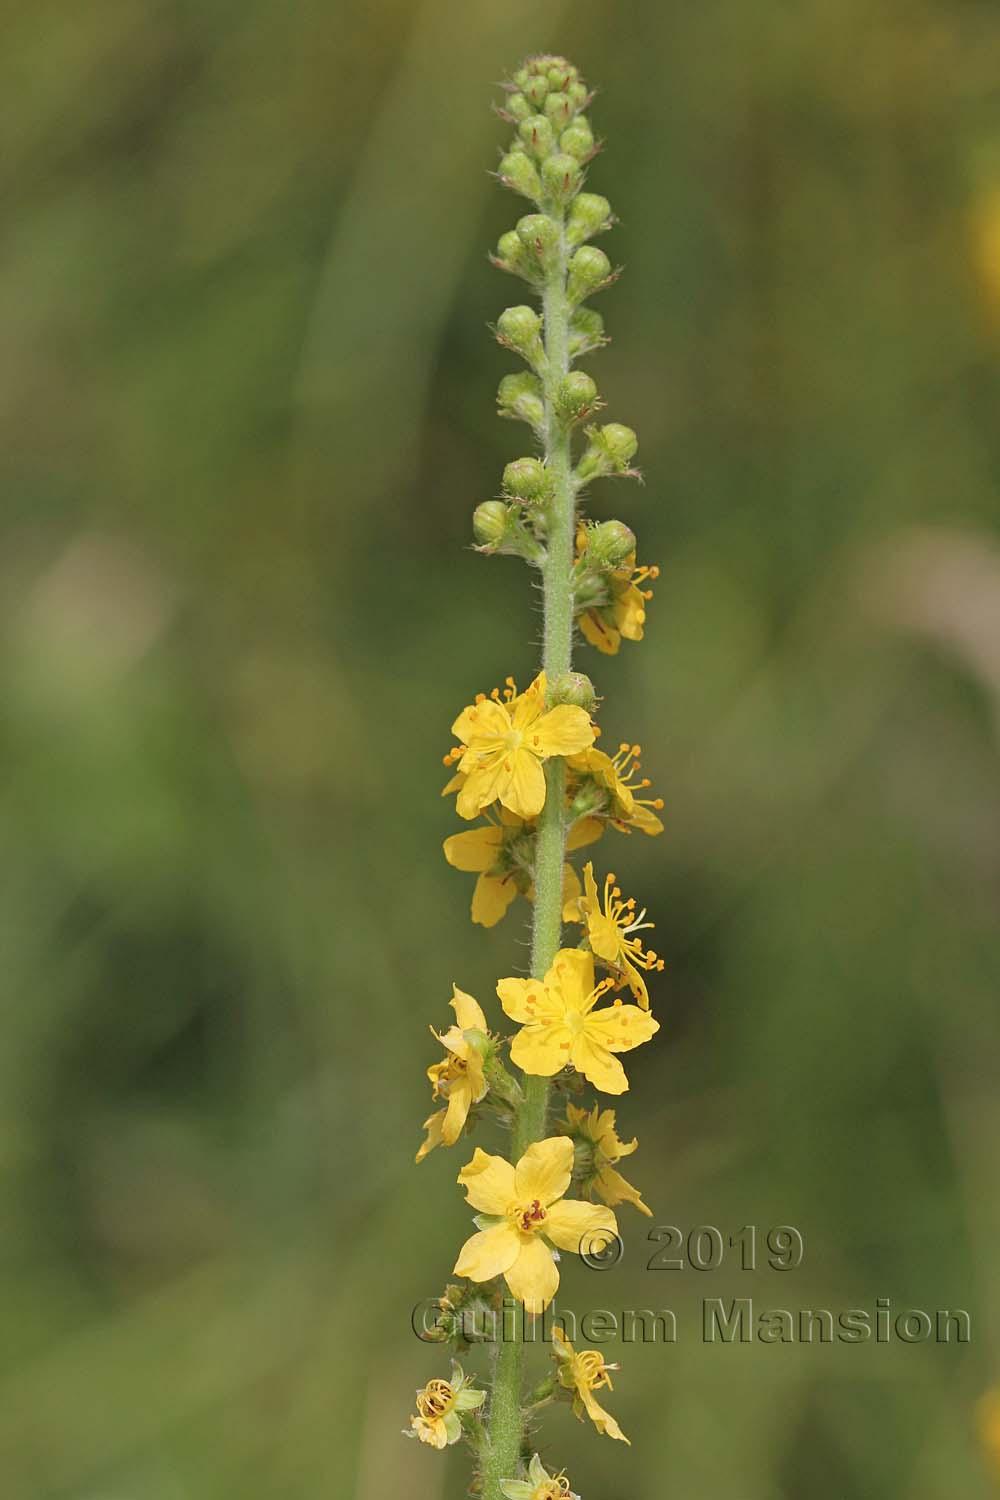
523	77
578	139
520	329
537	135
586	332
518	107
520	398
560	73
519	173
611	450
540	237
590	214
536	90
589	271
511	256
559	109
561	178
579	94
489	523
527	479
576	396
575	688
610	544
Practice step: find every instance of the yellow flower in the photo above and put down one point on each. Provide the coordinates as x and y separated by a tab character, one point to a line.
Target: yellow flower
459	1076
504	741
583	1374
522	1215
502	855
539	1485
611	929
437	1422
560	1024
596	1129
624	615
615	774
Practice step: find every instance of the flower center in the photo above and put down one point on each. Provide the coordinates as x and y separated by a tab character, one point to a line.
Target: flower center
435	1400
528	1217
591	1370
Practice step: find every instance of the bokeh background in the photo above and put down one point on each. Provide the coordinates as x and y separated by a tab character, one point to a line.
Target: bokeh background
245	412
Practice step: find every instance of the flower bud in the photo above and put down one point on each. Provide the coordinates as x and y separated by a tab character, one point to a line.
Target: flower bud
559	109
520	398
590	214
519	173
611	450
576	396
518	107
527	479
586	332
536	90
520	329
511	256
560	73
540	237
489	523
610	544
589	271
579	94
537	135
575	688
578	139
561	178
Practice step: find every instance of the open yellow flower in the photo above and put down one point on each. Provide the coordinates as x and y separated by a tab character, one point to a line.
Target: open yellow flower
624	615
583	1374
501	854
561	1026
458	1078
612	926
596	1129
539	1485
436	1421
617	775
504	740
522	1215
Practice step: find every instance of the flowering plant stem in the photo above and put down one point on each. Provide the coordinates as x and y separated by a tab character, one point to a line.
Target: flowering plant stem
506	1420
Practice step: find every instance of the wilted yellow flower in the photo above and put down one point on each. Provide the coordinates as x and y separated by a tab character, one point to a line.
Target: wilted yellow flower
504	741
617	775
437	1422
539	1485
560	1025
611	928
596	1128
459	1076
523	1214
501	854
583	1374
624	615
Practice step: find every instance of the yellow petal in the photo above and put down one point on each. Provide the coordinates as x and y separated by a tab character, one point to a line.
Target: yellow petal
476	850
630	613
488	1182
579	1227
571	978
544	1170
522	787
541	1050
533	1277
481	721
595	630
562	731
604	937
491	898
468	1012
647	822
432	1125
459	1104
598	1065
621	1027
602	1420
489	1253
478	790
571	890
530	705
636	983
613	1188
583	832
527	1001
454	785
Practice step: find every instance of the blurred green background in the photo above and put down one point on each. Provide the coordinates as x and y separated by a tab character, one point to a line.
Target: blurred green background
245	411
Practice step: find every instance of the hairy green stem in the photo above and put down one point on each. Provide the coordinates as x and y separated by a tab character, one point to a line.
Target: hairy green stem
506	1424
